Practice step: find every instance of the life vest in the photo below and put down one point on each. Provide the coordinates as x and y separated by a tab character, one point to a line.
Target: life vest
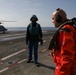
53	43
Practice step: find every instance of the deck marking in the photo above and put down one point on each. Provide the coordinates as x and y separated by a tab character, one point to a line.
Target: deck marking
4	69
11	55
16	63
22	61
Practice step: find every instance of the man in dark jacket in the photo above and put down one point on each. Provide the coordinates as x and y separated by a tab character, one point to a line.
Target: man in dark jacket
33	35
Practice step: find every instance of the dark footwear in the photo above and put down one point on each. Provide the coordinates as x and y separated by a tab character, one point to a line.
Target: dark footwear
37	64
28	61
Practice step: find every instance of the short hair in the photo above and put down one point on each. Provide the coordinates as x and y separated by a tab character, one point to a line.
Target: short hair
61	11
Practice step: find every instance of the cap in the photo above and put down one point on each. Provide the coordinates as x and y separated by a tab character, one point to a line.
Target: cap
34	16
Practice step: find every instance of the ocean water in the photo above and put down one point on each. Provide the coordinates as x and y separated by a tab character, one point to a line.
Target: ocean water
24	28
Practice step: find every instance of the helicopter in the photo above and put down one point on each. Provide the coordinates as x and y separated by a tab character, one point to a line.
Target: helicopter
2	28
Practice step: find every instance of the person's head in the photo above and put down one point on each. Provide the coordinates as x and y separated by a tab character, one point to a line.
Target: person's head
58	17
34	18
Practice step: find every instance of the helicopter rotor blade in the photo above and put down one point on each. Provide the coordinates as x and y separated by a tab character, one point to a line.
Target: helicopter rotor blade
7	21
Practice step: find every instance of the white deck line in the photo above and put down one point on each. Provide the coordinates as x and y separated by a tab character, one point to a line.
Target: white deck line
11	55
4	69
18	62
22	61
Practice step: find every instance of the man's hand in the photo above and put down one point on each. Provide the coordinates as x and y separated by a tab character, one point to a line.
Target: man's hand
41	41
52	53
27	43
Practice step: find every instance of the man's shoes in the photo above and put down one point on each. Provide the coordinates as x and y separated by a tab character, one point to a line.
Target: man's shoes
28	61
37	64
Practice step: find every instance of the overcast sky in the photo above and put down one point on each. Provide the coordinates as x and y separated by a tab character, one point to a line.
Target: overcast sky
22	10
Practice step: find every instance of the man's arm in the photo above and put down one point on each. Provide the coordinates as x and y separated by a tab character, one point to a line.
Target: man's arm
27	34
40	35
40	32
